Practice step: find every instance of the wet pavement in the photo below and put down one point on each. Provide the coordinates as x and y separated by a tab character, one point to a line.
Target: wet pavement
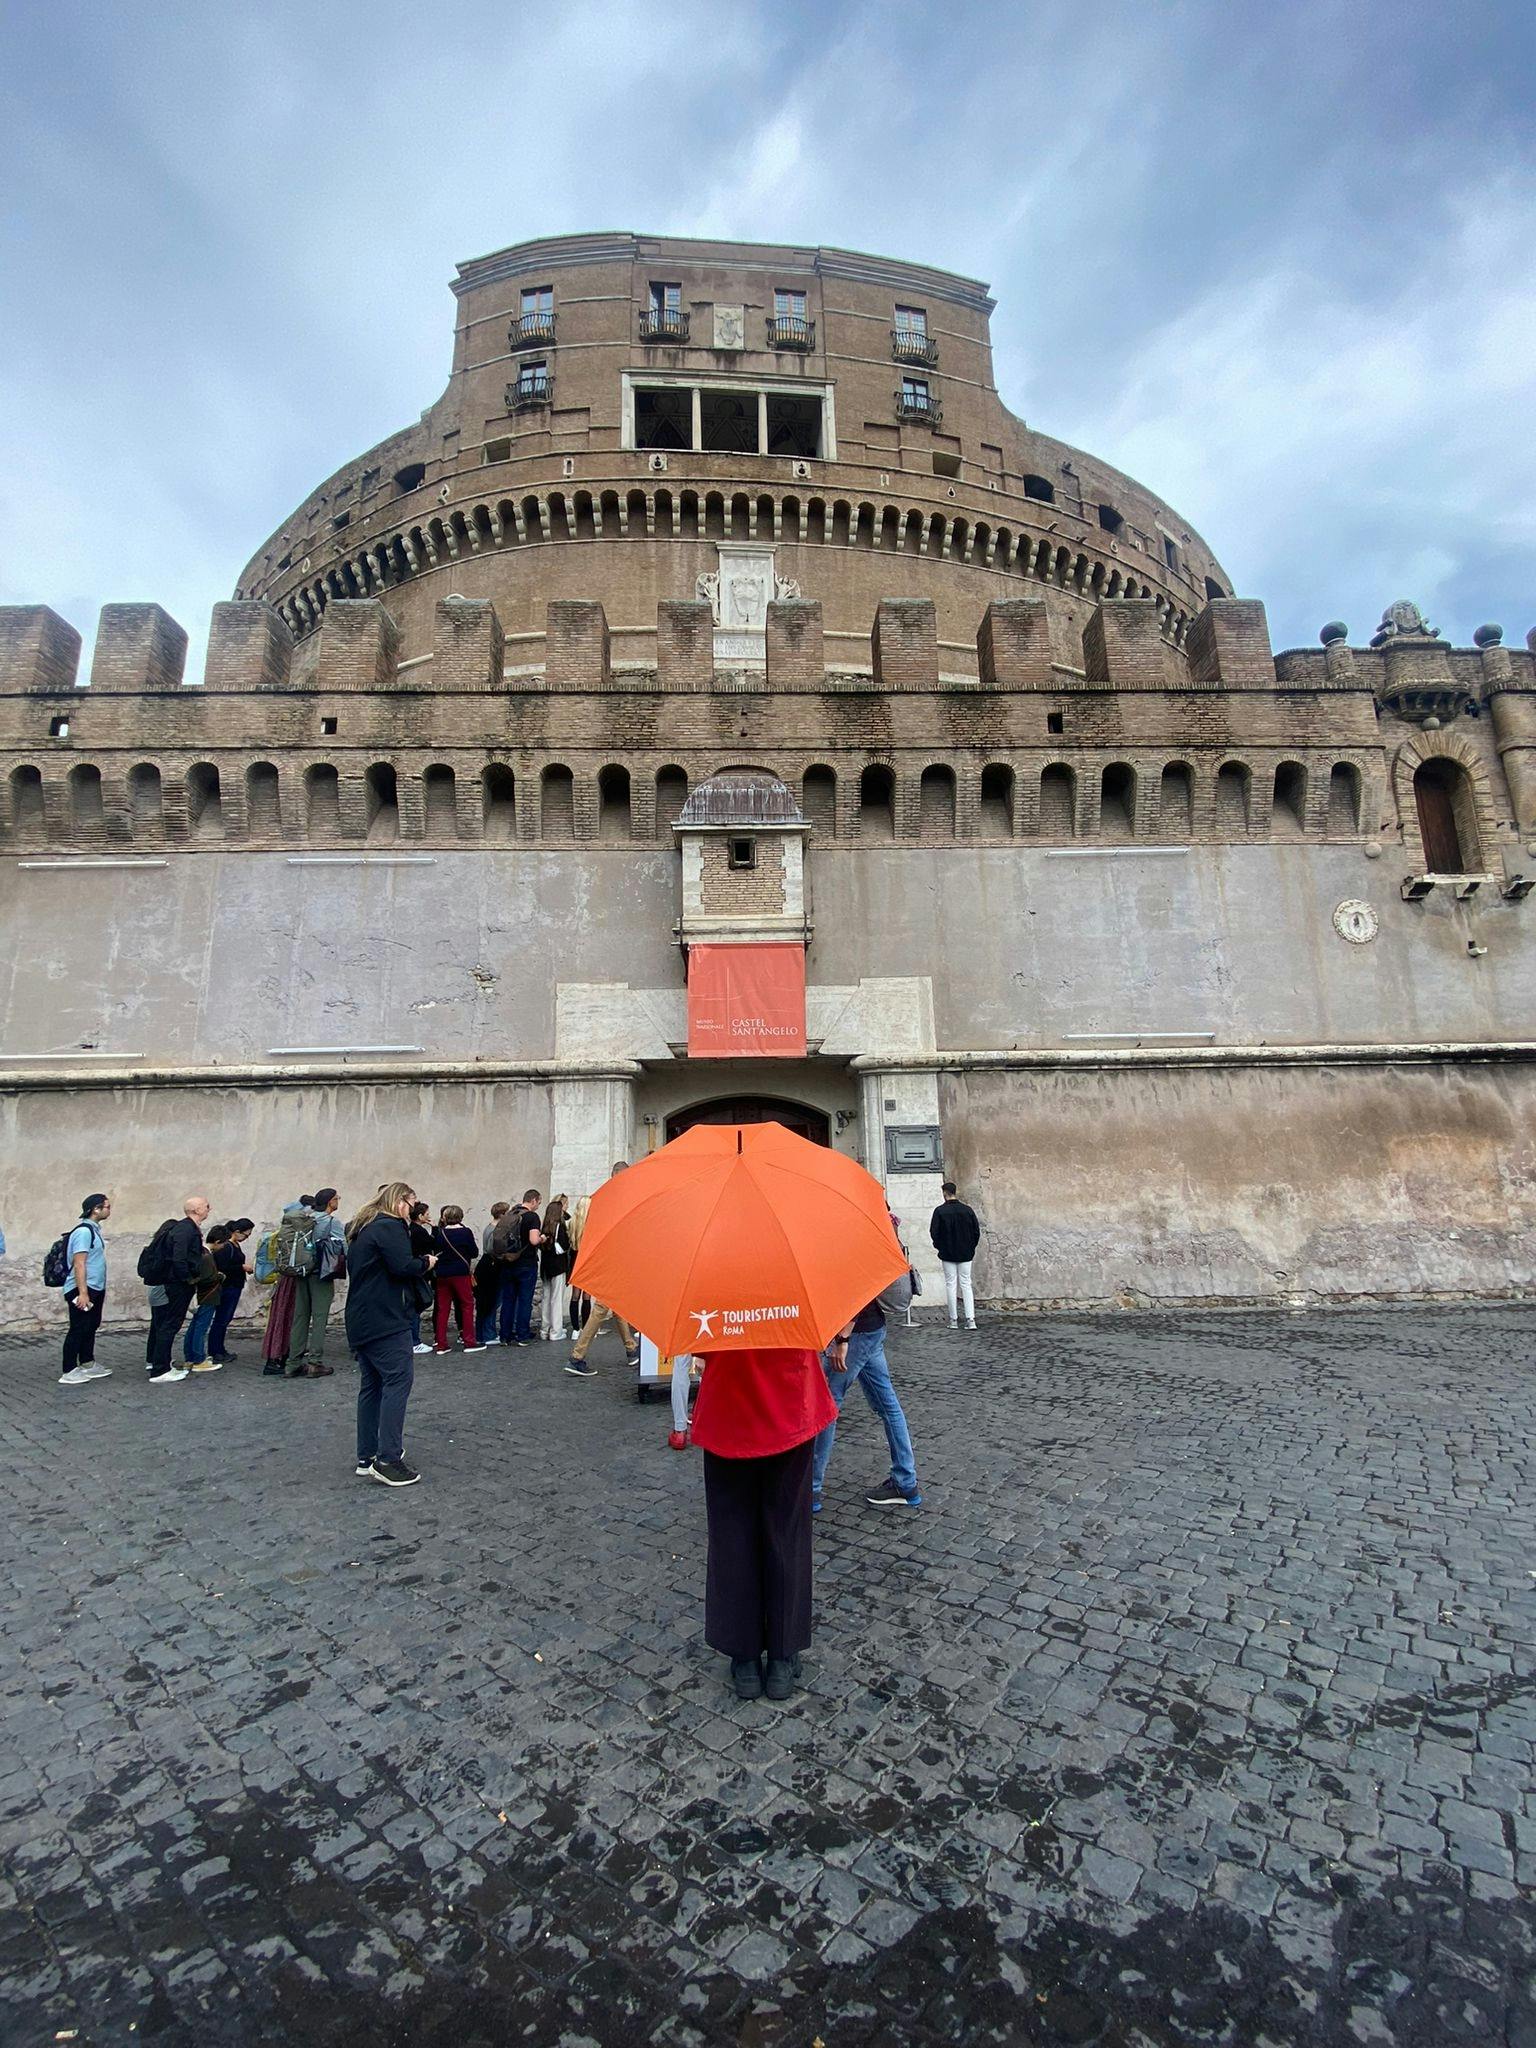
1197	1704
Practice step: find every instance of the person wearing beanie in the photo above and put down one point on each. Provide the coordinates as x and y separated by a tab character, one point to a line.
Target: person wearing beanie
313	1290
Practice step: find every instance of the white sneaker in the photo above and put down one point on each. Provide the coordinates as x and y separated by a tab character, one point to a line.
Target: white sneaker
420	1348
970	1326
473	1347
97	1372
159	1379
77	1376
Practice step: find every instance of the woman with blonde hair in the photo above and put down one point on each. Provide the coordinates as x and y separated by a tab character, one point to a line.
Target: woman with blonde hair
388	1287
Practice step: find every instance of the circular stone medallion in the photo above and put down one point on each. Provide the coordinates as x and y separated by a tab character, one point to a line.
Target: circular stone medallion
1355	921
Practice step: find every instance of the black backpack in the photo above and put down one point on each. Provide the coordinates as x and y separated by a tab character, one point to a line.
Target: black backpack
56	1260
155	1259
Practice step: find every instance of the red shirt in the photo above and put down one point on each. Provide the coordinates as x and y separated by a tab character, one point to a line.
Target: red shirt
754	1404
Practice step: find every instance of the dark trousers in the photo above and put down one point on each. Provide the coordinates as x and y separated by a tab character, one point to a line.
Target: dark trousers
224	1315
387	1370
164	1322
758	1588
80	1337
517	1303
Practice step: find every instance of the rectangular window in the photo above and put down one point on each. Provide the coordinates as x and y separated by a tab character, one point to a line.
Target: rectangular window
538	301
533	380
1170	551
728	421
743	853
1055	721
663	417
794	426
328	728
914	393
913	321
58	728
788	305
666	299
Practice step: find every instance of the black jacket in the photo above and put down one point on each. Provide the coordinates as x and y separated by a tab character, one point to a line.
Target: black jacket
955	1232
555	1255
184	1253
380	1270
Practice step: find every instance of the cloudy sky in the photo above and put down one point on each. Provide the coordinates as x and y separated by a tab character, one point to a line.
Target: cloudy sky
1276	260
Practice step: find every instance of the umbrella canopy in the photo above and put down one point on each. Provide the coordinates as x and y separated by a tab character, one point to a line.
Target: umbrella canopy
735	1237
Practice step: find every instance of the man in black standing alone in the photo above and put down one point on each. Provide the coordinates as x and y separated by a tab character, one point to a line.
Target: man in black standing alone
956	1234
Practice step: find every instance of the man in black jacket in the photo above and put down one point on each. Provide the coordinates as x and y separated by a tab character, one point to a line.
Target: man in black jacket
956	1234
182	1244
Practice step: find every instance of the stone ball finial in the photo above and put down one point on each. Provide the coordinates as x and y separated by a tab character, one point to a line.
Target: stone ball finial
1530	639
1334	631
1488	636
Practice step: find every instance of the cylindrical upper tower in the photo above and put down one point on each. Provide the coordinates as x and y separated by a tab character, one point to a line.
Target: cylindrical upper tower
636	419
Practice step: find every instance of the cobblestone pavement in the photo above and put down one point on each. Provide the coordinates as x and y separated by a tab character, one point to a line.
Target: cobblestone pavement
1196	1705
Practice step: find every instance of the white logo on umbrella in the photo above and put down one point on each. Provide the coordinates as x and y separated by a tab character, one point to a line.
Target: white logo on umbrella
705	1318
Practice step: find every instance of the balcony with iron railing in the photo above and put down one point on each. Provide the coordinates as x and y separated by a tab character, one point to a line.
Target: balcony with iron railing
919	405
664	324
529	390
909	346
532	330
791	331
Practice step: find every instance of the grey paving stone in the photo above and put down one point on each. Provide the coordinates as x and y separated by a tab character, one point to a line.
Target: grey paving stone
1202	1686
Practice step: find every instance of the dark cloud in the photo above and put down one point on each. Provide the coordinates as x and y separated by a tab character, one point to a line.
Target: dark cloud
1277	262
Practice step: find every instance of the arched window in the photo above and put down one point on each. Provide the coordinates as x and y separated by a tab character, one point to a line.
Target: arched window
671	795
205	807
877	802
1117	801
818	800
144	798
1176	806
498	807
1058	802
87	812
263	816
322	801
1288	813
996	818
1442	796
27	799
936	803
613	816
1232	784
557	804
1343	799
383	804
439	802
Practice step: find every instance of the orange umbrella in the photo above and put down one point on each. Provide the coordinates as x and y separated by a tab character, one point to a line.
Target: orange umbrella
738	1236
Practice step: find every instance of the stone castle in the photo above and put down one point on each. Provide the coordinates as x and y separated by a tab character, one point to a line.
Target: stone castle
720	602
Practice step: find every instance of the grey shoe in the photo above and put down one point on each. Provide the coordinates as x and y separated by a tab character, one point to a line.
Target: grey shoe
780	1682
747	1678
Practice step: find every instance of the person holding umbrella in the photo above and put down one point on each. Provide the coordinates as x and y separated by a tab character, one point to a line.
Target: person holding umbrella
773	1245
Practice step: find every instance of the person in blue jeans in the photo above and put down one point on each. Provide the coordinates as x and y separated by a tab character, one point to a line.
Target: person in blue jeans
231	1262
858	1354
515	1244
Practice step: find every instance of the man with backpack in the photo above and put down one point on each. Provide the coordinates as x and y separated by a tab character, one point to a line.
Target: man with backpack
85	1291
169	1265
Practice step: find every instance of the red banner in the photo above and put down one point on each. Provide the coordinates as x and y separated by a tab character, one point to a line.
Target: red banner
746	1002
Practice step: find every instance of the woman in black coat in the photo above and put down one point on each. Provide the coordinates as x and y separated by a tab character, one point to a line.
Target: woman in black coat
383	1293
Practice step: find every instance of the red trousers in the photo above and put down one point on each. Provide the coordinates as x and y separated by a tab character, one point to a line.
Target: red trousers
457	1290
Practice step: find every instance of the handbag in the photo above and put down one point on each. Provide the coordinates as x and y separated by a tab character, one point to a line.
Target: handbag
916	1279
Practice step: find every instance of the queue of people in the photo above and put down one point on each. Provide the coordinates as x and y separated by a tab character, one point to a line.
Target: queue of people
766	1420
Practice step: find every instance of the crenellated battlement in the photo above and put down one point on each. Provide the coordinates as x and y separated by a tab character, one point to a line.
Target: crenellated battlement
548	740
